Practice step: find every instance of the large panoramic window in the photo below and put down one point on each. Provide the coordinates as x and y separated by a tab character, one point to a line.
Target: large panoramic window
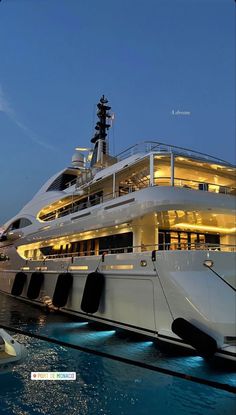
133	178
162	170
110	244
200	175
63	181
69	205
186	240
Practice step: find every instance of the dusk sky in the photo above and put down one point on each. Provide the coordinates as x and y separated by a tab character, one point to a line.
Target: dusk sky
149	57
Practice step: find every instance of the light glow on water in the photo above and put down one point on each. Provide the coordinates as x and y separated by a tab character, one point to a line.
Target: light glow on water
147	343
104	386
68	325
135	347
141	345
193	361
78	324
103	333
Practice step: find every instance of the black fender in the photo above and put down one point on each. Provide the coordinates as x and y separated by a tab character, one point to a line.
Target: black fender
35	284
205	345
93	290
18	284
62	289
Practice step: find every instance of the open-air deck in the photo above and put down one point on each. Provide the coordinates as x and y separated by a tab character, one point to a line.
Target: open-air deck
156	164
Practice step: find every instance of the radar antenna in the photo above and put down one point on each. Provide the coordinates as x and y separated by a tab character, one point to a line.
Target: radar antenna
100	152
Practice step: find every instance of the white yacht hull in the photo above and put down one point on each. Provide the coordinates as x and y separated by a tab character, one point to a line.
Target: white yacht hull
145	293
170	212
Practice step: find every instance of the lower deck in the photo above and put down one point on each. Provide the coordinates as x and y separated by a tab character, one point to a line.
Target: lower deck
143	292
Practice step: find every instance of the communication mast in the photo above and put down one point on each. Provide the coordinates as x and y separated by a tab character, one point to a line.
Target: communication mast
100	156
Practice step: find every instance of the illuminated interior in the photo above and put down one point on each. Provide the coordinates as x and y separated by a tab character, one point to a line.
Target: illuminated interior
173	229
196	220
132	178
184	172
54	210
162	170
201	175
85	243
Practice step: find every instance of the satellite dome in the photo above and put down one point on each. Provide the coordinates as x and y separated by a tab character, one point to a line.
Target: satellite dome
78	160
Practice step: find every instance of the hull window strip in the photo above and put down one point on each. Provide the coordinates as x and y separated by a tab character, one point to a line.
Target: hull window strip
81	216
119	204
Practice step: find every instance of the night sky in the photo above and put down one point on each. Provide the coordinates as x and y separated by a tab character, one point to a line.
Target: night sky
151	58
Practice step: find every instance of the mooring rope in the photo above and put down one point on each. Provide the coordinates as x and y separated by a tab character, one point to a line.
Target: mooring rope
162	288
218	275
100	260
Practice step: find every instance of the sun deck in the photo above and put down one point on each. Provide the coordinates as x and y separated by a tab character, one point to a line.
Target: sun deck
156	164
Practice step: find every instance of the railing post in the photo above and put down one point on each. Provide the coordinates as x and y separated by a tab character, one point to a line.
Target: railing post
172	164
114	185
151	170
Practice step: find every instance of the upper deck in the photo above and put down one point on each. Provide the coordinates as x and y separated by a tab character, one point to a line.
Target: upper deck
158	147
140	166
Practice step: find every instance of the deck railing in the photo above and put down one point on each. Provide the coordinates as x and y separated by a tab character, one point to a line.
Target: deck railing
130	188
148	146
141	248
207	187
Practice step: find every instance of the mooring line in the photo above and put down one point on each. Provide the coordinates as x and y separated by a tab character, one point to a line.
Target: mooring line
163	291
219	276
195	379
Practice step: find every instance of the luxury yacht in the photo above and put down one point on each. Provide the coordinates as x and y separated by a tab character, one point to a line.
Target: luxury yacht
143	241
11	352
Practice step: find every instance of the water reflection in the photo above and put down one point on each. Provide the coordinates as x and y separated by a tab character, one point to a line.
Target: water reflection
102	386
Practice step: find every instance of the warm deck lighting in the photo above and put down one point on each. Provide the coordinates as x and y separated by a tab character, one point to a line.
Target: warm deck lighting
78	268
118	267
204	227
41	268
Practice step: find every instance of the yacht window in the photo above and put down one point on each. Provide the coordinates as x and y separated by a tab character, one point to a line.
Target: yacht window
71	205
162	170
25	222
19	224
201	175
186	240
133	178
113	244
116	243
62	182
47	250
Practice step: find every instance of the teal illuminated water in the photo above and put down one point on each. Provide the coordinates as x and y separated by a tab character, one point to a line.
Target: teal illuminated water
103	386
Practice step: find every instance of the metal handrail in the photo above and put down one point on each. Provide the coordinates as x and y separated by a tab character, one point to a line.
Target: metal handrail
148	146
75	207
71	183
145	248
227	189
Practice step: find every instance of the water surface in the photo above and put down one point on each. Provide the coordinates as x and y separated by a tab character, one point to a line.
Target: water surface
103	386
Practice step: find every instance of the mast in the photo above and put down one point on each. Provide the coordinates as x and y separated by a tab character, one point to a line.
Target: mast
100	152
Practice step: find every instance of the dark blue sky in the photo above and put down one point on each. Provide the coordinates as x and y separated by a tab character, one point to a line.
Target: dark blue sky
148	56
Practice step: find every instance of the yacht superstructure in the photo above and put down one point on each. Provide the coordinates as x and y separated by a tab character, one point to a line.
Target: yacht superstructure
144	241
